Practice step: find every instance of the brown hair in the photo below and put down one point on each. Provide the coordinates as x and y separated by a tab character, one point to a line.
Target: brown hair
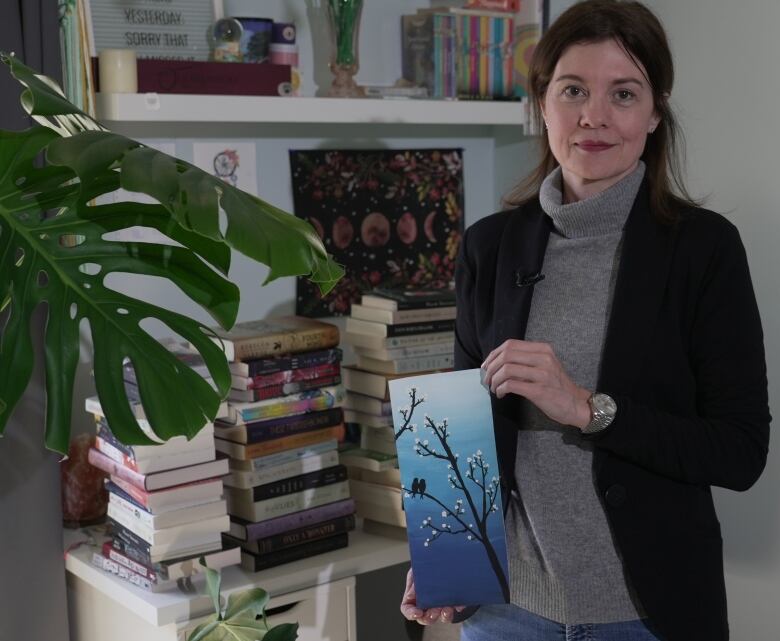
637	30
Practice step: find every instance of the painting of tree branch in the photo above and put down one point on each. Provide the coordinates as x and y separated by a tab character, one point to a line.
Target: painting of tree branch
452	497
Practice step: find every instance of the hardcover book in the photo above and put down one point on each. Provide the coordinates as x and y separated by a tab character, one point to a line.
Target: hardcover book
256	562
263	448
248	531
173	498
409	299
452	494
357	326
268	429
251	478
281	377
283	389
375	341
277	335
283	457
282	487
289	503
260	366
299	536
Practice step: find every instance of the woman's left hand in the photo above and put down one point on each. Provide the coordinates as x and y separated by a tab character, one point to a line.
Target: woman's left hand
533	371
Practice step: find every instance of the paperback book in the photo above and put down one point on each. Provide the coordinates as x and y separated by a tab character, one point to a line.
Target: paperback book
268	429
272	364
452	494
246	530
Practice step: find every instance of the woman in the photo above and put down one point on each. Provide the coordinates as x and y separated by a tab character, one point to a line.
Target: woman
618	331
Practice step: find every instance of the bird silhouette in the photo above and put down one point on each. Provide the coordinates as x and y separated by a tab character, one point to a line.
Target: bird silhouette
415	486
421	487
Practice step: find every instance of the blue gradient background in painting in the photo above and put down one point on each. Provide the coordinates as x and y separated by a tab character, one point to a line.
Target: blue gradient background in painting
451	570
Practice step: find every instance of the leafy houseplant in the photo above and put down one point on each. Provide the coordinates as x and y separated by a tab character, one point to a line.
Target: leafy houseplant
53	250
243	619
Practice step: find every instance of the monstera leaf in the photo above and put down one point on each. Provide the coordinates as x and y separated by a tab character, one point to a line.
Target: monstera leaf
54	250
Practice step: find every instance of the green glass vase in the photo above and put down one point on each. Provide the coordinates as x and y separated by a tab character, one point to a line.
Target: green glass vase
344	23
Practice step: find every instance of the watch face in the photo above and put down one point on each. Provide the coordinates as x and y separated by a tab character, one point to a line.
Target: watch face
604	403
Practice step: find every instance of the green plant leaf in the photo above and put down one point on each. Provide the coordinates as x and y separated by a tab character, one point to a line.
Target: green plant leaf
213	583
249	602
202	632
282	632
62	261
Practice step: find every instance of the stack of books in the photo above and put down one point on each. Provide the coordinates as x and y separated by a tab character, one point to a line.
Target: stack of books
394	333
287	493
165	509
459	52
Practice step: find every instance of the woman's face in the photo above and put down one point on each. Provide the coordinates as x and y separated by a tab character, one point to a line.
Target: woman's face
599	111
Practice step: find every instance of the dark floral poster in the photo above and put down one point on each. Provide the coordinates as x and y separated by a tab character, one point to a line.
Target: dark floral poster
391	218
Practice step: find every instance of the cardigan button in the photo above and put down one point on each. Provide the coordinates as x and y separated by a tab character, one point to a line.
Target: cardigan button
616	495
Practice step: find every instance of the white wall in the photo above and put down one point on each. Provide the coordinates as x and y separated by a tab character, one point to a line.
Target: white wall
726	55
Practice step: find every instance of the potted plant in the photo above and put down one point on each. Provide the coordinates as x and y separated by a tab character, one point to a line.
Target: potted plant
53	250
243	618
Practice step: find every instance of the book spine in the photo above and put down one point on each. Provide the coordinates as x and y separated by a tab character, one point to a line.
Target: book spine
285	389
115	454
299	341
508	54
143	517
103	462
139	496
313	400
318	478
404	329
141	547
110	552
104	432
316	358
473	29
272	446
496	46
246	479
281	505
300	374
126	519
315	532
121	571
276	428
484	50
263	529
256	563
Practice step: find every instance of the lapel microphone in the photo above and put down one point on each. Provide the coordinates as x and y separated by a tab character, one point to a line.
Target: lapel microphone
526	280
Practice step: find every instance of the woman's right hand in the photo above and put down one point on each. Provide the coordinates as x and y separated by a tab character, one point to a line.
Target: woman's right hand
424	617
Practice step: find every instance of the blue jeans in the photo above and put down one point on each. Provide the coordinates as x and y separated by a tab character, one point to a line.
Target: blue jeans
512	623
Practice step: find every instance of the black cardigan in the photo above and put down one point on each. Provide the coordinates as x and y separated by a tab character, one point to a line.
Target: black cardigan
684	360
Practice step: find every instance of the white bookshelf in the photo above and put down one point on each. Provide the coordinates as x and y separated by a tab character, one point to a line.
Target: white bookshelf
365	553
153	108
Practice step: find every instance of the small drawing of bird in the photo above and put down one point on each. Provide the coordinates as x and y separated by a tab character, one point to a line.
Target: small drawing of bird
421	487
415	486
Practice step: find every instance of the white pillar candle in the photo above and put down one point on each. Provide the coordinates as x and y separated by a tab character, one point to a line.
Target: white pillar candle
118	71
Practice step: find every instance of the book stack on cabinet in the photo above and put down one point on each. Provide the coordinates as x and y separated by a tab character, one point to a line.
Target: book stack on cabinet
394	333
166	507
287	493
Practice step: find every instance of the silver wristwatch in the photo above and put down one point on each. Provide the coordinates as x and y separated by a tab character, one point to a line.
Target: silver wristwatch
602	412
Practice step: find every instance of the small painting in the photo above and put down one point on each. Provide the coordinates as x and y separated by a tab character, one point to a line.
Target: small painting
234	163
444	435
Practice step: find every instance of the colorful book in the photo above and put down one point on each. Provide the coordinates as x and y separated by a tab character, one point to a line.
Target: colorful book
255	563
357	326
451	488
281	505
174	498
139	580
159	480
282	487
245	479
264	448
286	456
276	335
286	376
299	536
270	365
268	429
282	389
249	531
308	401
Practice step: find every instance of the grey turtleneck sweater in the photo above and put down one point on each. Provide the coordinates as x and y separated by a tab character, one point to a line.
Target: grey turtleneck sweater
563	562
